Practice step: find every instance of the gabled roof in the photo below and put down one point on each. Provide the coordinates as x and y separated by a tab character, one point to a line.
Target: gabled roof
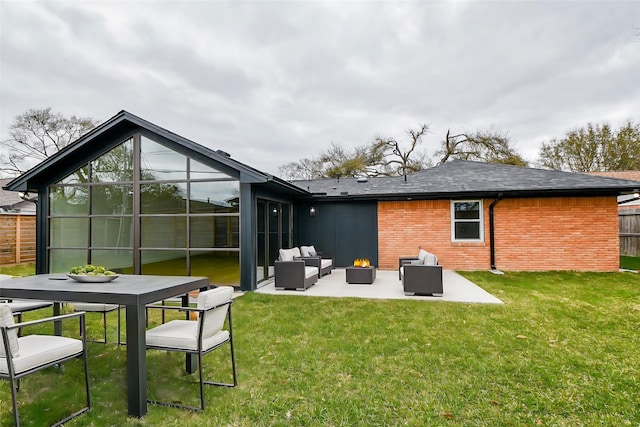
460	178
124	123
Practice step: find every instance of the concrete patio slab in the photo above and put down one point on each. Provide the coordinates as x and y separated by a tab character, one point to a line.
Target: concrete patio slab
387	286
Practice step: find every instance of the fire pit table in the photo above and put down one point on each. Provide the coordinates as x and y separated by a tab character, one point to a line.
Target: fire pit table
361	275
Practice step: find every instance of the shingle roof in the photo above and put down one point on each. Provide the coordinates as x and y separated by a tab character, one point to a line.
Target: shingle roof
8	198
460	178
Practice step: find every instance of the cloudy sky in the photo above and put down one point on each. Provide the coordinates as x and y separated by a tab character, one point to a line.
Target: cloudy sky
272	82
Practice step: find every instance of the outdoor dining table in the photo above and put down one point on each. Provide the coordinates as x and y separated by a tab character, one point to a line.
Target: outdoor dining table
132	291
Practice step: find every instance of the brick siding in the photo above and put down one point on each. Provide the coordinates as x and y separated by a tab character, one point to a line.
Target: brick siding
530	234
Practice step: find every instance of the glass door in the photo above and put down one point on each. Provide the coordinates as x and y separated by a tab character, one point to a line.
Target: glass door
273	232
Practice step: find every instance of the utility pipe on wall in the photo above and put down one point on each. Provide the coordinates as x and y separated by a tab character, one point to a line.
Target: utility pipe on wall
491	231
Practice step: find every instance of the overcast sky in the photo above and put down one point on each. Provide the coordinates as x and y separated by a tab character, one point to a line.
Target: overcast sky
272	82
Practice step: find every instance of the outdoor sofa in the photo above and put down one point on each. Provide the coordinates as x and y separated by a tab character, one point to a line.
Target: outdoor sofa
291	272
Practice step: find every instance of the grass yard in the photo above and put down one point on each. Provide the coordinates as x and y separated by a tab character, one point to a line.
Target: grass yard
562	350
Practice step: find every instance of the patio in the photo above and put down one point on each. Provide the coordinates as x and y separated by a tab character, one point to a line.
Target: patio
387	286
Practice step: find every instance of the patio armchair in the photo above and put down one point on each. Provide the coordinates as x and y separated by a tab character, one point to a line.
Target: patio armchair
198	337
292	272
313	258
22	356
421	276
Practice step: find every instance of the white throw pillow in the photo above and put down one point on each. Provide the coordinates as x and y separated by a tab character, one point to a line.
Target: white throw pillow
306	250
6	319
312	251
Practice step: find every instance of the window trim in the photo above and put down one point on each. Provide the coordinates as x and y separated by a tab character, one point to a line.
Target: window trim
454	221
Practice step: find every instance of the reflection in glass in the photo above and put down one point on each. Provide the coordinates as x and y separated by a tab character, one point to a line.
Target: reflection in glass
70	200
164	263
114	165
215	232
164	232
79	176
61	260
222	268
117	260
112	199
68	232
467	210
112	232
215	197
163	198
467	230
199	171
158	162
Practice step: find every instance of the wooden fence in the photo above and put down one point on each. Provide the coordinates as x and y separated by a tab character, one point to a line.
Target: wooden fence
17	239
629	231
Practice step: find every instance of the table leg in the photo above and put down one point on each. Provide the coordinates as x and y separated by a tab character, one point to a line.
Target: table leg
136	361
191	363
57	324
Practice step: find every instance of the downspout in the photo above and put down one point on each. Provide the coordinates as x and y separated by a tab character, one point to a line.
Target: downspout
492	231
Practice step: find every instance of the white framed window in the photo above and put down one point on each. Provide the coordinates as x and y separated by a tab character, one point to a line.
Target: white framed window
467	221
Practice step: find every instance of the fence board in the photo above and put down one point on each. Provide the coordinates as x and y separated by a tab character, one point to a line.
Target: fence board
629	220
17	239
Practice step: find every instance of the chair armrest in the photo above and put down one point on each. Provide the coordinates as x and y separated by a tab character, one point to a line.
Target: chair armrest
47	319
180	308
404	261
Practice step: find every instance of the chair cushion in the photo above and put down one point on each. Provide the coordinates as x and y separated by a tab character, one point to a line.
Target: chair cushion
6	319
422	255
324	263
286	254
214	319
37	350
310	272
431	259
93	307
308	251
182	334
296	252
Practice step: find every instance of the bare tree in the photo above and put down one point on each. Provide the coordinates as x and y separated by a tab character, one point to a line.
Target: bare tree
484	146
402	160
37	134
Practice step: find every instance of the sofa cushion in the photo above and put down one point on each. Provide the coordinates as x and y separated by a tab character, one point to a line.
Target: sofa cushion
422	255
296	252
310	272
431	259
324	263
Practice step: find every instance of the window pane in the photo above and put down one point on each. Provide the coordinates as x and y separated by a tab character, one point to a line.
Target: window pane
215	232
222	268
69	200
61	260
164	232
215	197
164	263
158	162
79	176
114	165
200	171
112	199
68	232
113	232
467	230
163	198
467	210
118	260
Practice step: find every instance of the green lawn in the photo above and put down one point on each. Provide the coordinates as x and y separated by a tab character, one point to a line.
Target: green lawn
562	350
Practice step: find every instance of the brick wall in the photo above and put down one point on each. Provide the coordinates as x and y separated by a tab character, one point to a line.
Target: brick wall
17	239
530	234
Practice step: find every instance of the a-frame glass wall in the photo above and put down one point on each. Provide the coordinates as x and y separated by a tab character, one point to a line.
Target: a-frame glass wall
143	208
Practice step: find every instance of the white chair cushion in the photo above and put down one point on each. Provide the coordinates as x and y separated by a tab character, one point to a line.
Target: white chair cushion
93	307
310	272
306	250
38	350
431	259
6	319
324	263
296	252
286	254
182	334
422	255
214	319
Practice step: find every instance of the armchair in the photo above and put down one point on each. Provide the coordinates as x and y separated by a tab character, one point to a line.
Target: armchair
22	356
421	276
313	258
291	272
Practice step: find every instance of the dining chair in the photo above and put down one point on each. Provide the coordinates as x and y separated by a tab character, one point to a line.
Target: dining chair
22	356
91	307
197	337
